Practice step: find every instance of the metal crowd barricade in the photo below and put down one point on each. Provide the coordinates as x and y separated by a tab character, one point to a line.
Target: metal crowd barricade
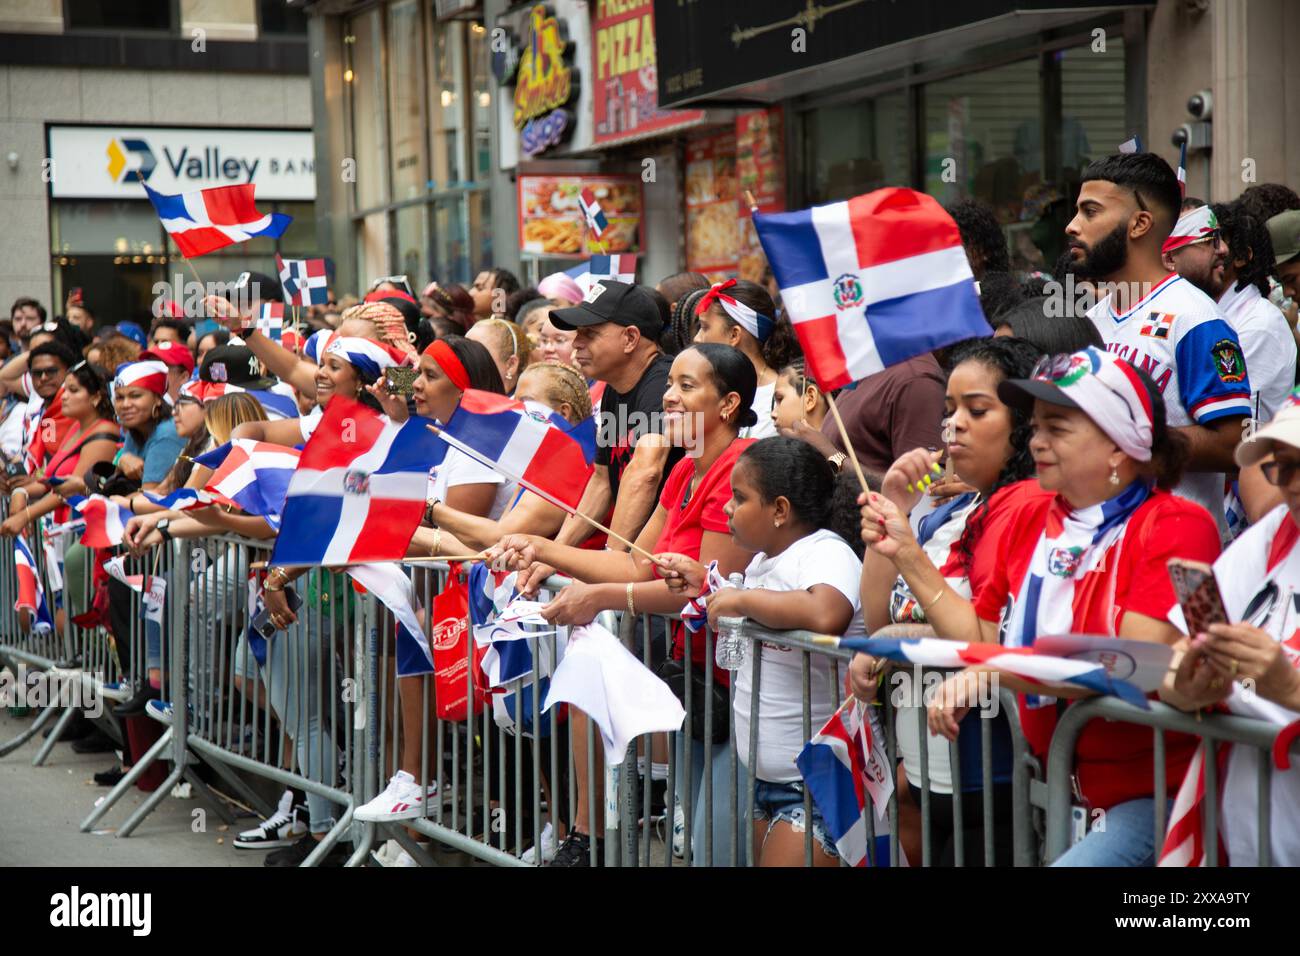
1161	718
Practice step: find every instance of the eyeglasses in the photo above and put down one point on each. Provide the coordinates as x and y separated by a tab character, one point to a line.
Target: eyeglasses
1280	473
52	371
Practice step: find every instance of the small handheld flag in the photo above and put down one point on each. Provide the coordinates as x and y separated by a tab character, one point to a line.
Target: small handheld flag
621	268
31	594
1132	145
210	219
271	320
871	282
1182	169
592	212
304	280
251	475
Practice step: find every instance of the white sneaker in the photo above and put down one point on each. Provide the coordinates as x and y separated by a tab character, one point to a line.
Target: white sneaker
548	844
401	800
387	853
679	832
404	859
282	828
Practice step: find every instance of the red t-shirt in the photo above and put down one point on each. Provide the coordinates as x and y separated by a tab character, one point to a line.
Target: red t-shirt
1005	508
1113	760
687	522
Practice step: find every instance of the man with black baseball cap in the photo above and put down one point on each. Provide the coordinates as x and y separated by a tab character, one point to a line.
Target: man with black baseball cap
618	327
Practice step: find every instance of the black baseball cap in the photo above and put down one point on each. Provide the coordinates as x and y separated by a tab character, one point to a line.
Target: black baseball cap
612	301
234	365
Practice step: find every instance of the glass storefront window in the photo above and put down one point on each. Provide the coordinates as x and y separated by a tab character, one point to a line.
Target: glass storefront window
369	122
413	244
405	77
300	238
482	88
983	137
856	147
1092	105
372	249
111	228
447	94
451	259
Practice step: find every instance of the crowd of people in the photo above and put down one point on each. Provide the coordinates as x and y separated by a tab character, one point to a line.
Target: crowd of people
1033	482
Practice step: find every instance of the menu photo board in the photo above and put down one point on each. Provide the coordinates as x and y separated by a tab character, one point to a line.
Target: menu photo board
721	169
551	222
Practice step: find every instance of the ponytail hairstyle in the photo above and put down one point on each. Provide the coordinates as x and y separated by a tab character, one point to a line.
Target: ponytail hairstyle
781	346
1008	358
792	469
564	383
732	372
95	379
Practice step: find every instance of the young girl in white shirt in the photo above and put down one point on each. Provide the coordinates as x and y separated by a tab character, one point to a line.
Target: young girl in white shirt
804	577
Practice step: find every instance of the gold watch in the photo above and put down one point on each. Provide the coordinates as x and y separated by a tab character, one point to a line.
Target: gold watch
837	460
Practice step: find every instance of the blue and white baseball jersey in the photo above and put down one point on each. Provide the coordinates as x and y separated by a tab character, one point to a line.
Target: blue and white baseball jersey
1177	335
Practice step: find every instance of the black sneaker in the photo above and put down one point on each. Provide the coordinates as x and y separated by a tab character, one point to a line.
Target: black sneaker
110	778
576	851
282	828
296	853
136	705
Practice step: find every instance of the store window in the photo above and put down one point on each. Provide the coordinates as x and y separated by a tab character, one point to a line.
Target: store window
481	88
405	77
983	135
1092	104
156	16
413	243
372	249
447	107
854	148
365	64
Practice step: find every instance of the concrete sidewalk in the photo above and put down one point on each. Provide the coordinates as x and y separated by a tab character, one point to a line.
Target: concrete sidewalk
41	809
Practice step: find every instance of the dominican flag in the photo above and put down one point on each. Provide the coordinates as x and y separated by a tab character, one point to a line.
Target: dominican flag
304	280
696	613
271	320
252	475
183	499
31	595
360	488
843	769
592	212
522	443
105	520
871	281
1024	662
509	656
390	585
277	405
1182	169
621	268
209	219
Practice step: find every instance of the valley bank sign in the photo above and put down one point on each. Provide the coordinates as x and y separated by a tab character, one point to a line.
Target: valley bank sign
110	162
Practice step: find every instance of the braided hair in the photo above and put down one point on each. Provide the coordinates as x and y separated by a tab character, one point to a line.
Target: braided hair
565	384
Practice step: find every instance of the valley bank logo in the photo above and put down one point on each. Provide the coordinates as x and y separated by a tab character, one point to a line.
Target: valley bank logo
133	161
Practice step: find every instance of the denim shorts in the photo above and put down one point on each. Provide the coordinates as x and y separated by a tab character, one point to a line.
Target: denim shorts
784	802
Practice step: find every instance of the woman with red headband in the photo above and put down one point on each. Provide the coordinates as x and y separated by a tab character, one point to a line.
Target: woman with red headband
741	314
1090	559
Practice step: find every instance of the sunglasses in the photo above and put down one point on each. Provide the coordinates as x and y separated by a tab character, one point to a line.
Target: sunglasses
47	372
1280	473
1212	237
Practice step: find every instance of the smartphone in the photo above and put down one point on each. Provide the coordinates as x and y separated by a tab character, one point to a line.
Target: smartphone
262	621
1198	594
402	281
400	380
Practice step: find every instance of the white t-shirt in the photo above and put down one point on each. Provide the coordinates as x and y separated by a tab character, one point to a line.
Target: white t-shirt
459	468
1178	336
1269	346
1247	582
307	423
819	558
764	427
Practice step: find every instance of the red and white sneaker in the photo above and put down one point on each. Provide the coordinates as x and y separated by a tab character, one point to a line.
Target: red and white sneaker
401	800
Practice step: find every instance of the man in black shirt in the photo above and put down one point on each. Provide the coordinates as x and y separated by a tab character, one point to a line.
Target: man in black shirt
618	328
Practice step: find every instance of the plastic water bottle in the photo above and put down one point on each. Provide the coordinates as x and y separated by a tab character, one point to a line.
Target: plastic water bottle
731	649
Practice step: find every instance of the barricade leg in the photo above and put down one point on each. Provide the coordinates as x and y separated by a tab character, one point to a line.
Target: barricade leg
67	713
138	770
43	718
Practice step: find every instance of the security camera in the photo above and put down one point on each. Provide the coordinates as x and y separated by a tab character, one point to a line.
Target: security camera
1196	135
1201	105
13	159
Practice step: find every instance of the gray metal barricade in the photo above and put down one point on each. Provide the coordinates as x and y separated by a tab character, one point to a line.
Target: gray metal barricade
1161	718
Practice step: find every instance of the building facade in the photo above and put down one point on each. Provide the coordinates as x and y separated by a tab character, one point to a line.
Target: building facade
98	98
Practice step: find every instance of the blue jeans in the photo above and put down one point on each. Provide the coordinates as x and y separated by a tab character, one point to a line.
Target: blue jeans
296	662
777	802
726	822
1128	840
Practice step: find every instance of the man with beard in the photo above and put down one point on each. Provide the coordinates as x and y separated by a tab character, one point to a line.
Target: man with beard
1155	319
1231	265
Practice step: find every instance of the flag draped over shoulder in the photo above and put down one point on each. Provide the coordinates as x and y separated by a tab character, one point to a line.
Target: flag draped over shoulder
871	282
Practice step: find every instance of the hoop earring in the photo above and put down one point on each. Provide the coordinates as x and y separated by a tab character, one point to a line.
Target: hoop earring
1114	475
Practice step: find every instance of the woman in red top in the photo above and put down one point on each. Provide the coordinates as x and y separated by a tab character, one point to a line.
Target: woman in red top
1091	559
710	391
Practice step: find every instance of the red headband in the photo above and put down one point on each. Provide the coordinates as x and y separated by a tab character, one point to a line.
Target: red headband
451	366
714	295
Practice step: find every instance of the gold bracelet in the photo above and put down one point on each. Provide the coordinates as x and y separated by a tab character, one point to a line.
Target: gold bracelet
942	591
631	607
268	586
437	543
